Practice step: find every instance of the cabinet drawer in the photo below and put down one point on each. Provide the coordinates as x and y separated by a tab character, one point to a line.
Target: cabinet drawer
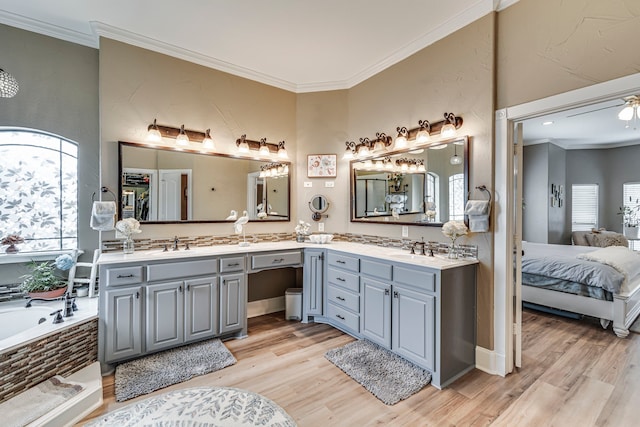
342	278
376	269
417	278
124	276
343	261
178	270
275	260
344	317
343	298
232	264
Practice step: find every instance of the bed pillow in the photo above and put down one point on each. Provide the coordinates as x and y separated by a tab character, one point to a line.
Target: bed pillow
622	259
604	239
580	238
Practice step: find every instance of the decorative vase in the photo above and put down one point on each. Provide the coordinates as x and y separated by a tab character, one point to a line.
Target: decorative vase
12	249
453	251
128	245
300	238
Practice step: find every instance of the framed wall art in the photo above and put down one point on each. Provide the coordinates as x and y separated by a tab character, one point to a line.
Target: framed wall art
321	165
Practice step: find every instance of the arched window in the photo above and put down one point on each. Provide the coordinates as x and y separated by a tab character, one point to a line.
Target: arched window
39	189
456	197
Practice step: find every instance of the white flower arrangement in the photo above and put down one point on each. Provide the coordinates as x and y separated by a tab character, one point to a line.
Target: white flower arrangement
454	229
302	227
127	227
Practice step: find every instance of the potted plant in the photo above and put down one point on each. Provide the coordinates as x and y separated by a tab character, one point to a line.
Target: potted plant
43	282
629	214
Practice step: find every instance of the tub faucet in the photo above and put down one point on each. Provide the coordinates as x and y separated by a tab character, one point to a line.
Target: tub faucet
57	316
69	304
175	243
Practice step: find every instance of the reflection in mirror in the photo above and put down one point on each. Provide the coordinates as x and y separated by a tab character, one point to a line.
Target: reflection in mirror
319	204
160	184
425	186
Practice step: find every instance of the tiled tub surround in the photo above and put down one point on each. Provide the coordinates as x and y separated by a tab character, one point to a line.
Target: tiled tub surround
41	352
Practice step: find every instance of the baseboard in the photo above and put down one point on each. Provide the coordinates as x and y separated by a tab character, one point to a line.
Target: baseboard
265	306
490	362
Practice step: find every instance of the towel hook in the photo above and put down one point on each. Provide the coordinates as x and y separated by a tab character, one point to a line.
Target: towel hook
482	188
103	190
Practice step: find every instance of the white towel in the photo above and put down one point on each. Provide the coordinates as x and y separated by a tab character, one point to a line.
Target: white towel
103	216
477	207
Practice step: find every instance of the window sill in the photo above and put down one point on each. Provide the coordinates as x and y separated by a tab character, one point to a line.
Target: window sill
22	257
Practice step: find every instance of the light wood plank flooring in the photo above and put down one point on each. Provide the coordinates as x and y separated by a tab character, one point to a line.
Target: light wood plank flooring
574	374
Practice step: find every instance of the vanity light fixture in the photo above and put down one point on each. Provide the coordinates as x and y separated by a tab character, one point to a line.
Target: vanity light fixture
156	132
631	109
207	142
263	150
242	144
410	165
362	150
182	138
274	170
449	128
423	134
8	85
402	138
382	142
153	133
282	152
350	151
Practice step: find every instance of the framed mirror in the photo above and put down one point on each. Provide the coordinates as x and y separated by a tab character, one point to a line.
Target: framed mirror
165	185
426	186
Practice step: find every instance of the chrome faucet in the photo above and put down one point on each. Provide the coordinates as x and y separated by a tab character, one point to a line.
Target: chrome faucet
175	243
69	305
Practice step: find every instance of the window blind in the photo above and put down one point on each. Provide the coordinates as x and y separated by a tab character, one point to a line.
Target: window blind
584	207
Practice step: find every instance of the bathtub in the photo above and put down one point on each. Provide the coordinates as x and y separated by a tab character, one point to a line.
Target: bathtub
22	325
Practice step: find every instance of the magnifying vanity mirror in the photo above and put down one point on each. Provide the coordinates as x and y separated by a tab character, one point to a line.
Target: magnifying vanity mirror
426	186
163	185
318	205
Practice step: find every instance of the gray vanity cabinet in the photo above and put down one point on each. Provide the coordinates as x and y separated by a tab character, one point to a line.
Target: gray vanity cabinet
313	283
413	320
123	314
200	308
165	315
233	302
375	319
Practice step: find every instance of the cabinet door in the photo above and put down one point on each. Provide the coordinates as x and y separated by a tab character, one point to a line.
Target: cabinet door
313	282
200	308
413	325
165	315
233	302
123	323
375	319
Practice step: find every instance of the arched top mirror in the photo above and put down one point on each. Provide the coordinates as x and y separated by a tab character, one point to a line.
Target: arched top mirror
428	185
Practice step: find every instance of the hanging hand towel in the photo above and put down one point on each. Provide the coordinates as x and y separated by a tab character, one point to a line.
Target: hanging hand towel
478	211
103	216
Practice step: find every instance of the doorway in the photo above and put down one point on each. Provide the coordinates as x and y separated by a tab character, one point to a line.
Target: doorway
508	226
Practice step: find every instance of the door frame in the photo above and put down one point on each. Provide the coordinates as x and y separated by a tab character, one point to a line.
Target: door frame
502	357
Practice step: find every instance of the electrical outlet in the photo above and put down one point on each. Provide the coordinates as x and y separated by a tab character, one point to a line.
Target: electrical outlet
308	184
321	226
329	184
405	231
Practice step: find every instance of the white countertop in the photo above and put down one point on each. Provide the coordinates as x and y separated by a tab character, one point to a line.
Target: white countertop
389	254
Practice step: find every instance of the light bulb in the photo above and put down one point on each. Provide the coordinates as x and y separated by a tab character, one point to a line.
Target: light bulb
404	167
423	136
401	142
207	142
264	150
348	154
363	151
455	160
182	138
153	133
413	167
448	131
626	113
282	152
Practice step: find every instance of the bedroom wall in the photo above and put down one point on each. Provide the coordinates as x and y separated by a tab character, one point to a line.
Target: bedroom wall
609	168
557	232
535	212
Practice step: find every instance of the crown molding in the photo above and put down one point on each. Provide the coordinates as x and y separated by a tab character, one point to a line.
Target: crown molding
104	30
55	31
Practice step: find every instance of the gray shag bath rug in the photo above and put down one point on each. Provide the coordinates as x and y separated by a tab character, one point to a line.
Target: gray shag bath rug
153	372
387	376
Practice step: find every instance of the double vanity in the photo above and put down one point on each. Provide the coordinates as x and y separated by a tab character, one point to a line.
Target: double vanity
421	308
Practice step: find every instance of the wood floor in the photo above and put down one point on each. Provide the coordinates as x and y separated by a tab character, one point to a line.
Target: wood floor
574	374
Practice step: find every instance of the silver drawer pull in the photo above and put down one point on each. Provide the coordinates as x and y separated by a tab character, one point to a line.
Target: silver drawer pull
278	260
340	261
340	298
340	279
235	264
120	276
340	317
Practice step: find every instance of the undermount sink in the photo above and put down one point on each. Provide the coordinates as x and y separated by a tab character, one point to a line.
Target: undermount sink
416	257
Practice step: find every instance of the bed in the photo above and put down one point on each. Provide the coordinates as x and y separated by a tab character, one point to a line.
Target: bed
593	281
